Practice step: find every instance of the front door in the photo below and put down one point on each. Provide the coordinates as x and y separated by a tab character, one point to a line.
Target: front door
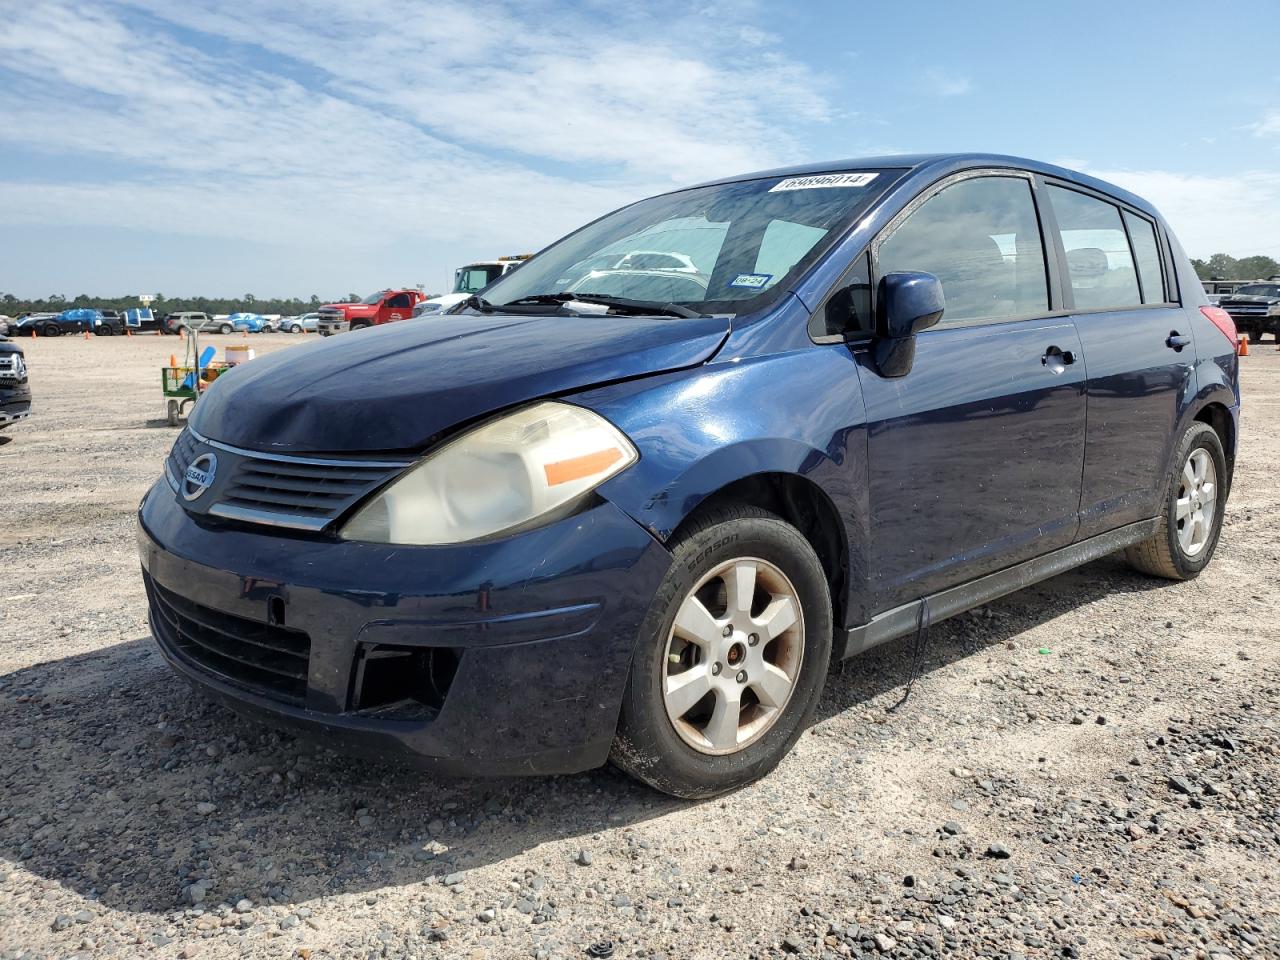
396	307
1139	353
975	456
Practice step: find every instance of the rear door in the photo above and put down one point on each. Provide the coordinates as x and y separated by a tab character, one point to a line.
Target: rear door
974	457
1138	350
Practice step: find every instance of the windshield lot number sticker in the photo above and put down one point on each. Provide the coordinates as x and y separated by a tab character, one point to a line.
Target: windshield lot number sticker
820	181
756	281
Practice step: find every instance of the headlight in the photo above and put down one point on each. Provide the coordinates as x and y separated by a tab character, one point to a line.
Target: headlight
532	465
1273	310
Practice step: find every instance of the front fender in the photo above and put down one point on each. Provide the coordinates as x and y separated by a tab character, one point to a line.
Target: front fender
798	413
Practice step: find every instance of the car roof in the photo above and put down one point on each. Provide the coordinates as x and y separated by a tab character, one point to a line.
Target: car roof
927	167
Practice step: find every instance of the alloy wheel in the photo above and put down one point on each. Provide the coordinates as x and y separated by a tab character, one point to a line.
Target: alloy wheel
733	656
1197	501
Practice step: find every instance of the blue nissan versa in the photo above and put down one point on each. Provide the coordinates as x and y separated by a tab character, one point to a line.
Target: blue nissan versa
637	521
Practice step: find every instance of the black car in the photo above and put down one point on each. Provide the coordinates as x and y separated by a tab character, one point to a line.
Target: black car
1255	308
15	393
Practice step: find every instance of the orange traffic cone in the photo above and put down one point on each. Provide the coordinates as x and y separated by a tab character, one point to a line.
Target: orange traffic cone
128	332
33	333
86	334
1242	346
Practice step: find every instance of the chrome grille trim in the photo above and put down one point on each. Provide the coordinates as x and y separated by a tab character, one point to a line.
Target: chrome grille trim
280	490
288	458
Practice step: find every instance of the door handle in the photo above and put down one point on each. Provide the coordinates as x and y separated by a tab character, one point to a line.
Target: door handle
1057	359
1177	341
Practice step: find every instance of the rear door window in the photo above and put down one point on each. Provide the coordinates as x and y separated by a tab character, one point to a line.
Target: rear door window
1099	261
1146	251
981	238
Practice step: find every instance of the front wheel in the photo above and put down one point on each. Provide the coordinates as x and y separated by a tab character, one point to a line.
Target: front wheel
358	326
1255	336
1195	500
104	331
731	658
224	328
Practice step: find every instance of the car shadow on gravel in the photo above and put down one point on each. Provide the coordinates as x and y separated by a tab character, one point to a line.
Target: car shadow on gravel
123	785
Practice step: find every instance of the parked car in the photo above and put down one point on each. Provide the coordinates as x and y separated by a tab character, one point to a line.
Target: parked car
385	306
1255	308
15	390
7	325
29	323
141	319
469	280
250	323
556	529
662	285
302	324
75	320
194	320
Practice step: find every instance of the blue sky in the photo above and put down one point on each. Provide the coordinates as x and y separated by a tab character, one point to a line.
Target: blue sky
335	146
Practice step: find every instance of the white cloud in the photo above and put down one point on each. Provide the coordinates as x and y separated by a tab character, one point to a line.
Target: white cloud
945	84
1268	126
334	123
1236	215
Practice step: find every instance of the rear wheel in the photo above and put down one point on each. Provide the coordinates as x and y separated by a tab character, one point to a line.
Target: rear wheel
731	659
104	331
51	330
1195	500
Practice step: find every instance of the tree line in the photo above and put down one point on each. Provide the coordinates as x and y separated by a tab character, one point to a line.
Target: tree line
1222	266
55	303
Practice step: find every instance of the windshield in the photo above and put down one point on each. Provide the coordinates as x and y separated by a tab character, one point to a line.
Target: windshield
373	298
1259	290
475	278
724	248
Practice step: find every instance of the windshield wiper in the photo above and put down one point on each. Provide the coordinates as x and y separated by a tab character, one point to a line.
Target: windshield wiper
616	303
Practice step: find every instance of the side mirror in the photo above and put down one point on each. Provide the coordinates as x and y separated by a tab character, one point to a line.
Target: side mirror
908	303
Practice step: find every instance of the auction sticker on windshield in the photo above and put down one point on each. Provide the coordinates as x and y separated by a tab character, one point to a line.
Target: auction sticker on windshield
755	280
823	180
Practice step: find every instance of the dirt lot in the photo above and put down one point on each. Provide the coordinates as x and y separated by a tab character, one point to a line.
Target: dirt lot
1088	768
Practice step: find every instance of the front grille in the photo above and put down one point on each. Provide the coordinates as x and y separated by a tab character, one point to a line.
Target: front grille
1242	310
300	493
270	659
183	452
301	490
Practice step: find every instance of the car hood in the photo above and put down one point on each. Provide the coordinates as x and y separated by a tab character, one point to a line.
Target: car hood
401	386
351	307
1248	300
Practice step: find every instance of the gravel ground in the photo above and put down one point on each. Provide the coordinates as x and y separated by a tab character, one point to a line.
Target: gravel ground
1090	767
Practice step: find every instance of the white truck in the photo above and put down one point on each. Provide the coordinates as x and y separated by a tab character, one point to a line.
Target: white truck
468	280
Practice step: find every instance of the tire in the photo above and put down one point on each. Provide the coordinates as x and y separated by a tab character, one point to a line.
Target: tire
660	741
1175	551
356	326
104	331
51	330
171	413
1255	336
224	328
295	329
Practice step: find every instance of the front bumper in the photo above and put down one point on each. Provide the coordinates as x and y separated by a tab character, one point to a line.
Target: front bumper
327	328
15	402
543	623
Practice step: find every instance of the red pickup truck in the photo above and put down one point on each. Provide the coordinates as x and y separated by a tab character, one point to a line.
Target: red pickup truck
385	306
